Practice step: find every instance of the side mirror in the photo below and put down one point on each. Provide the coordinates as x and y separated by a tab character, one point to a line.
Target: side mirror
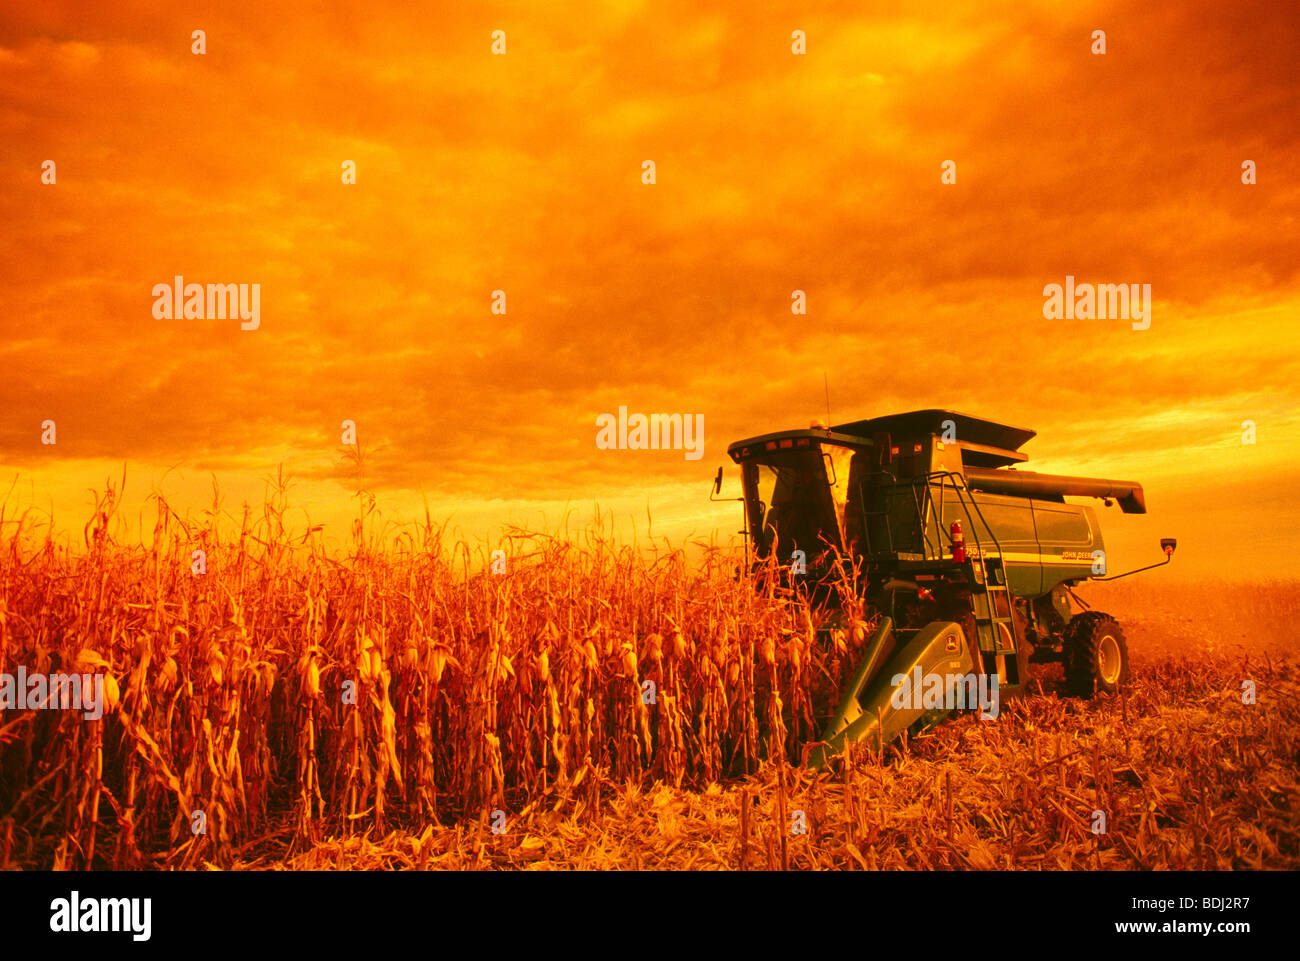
717	489
1167	543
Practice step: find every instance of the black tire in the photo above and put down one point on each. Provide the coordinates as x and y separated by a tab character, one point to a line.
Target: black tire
1096	655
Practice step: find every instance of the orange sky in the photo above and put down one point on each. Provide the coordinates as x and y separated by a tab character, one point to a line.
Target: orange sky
522	173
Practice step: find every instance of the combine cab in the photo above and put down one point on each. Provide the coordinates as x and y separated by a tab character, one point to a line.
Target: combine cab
967	560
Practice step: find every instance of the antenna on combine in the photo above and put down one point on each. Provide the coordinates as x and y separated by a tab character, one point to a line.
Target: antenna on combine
827	384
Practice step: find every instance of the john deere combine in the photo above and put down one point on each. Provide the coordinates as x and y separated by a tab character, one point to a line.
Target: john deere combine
968	561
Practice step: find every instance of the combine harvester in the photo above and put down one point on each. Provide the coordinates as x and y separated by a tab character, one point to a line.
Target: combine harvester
968	561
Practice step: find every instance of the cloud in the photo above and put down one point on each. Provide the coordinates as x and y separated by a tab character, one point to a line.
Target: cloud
523	173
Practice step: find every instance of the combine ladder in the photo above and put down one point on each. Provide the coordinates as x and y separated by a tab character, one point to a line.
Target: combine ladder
995	627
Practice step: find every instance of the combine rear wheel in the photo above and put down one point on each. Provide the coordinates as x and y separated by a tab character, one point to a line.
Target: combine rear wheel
1096	655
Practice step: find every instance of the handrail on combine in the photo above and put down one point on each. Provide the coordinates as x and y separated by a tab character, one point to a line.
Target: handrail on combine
924	505
958	490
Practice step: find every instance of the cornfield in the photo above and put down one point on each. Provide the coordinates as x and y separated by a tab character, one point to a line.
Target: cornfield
569	703
285	690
